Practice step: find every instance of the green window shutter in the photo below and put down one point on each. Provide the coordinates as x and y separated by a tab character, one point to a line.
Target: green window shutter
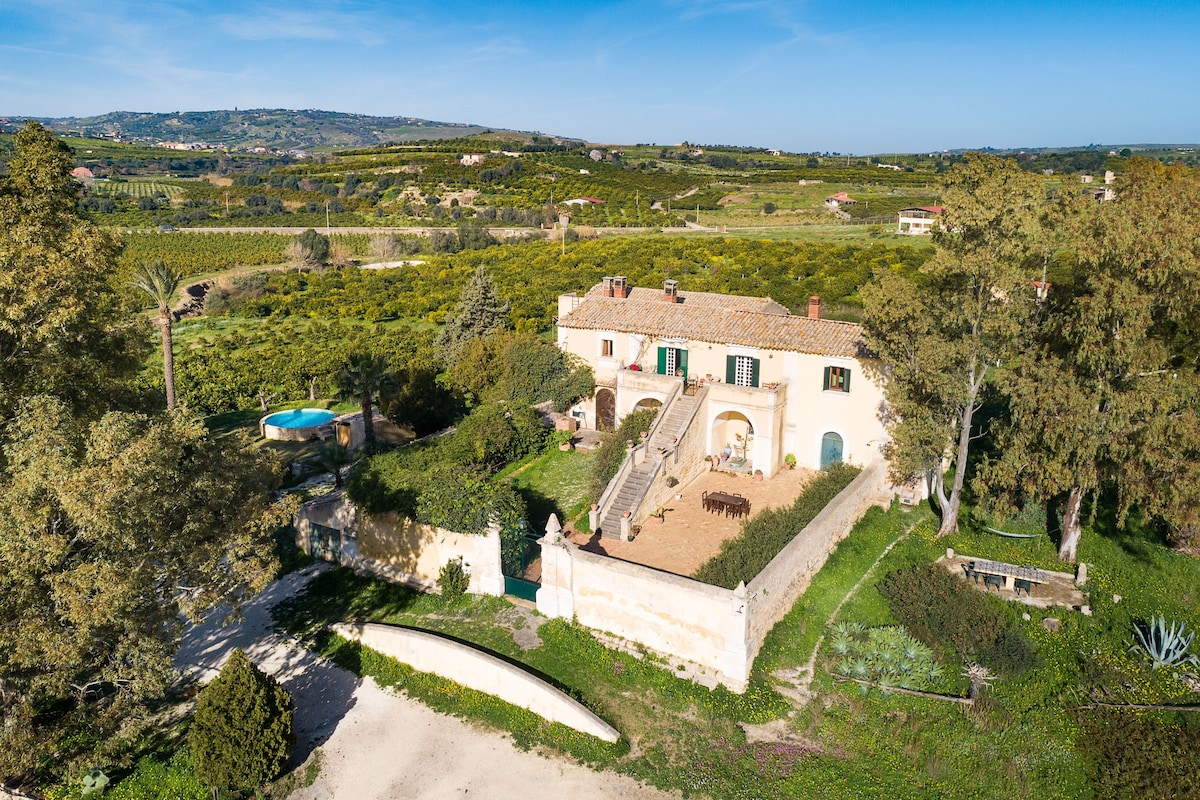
681	357
846	380
754	372
730	369
825	385
662	360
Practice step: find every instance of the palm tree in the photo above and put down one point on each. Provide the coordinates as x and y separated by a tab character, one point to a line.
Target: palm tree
158	282
332	456
363	379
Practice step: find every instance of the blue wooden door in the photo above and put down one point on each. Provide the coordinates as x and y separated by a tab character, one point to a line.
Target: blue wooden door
831	449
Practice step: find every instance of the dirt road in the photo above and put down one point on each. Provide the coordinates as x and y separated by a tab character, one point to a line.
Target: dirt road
376	744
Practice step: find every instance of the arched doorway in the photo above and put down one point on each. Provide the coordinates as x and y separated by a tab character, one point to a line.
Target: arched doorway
731	436
831	449
606	409
647	402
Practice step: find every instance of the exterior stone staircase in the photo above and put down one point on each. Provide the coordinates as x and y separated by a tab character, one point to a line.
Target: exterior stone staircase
632	489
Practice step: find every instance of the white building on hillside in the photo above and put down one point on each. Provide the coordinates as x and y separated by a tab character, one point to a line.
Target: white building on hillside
742	379
918	220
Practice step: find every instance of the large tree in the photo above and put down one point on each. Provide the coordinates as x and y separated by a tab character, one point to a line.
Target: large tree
158	282
1109	398
112	535
478	313
62	330
941	334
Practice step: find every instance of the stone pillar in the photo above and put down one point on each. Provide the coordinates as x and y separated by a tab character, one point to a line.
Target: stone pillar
737	656
626	527
594	518
555	597
487	577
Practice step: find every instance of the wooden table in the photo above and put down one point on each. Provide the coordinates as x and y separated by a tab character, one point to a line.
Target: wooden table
1010	572
731	505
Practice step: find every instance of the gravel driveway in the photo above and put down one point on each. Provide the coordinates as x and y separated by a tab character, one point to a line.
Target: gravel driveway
378	744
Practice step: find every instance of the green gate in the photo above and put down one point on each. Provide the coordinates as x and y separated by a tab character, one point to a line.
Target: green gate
324	543
521	558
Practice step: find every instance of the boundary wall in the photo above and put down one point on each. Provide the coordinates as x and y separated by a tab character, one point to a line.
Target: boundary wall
719	631
399	549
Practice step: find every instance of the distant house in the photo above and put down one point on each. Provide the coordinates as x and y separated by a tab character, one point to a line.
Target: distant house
583	201
836	201
83	175
471	159
918	220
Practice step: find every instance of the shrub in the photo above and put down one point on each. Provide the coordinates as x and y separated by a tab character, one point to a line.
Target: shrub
762	537
241	736
1133	755
1012	653
453	580
942	611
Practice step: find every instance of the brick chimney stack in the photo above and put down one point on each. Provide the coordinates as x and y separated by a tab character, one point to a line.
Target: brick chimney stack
620	290
606	284
814	307
671	291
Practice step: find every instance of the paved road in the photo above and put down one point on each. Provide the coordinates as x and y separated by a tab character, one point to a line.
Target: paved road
376	744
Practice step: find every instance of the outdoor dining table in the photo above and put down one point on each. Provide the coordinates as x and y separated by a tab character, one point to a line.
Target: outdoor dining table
731	505
1010	572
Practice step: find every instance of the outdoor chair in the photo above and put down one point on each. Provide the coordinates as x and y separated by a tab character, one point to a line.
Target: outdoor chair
1021	583
969	571
993	580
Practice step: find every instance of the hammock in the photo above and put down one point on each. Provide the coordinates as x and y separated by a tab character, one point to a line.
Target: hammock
1014	535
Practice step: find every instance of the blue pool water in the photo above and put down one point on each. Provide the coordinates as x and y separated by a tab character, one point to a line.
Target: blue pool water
299	418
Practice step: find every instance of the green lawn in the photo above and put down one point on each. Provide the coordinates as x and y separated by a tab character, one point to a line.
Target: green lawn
555	482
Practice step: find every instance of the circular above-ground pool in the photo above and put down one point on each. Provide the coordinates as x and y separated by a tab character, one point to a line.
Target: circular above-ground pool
296	425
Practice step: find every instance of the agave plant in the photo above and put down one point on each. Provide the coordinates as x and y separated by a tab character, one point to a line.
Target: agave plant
841	643
1164	646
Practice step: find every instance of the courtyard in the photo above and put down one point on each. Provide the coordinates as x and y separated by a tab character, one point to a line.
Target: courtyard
688	535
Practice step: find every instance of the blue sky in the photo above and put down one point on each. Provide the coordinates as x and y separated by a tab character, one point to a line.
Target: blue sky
865	77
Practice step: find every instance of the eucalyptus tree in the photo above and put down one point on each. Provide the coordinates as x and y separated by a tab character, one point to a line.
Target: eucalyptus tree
159	282
1110	397
942	334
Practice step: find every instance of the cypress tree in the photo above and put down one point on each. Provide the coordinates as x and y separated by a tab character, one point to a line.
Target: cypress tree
242	734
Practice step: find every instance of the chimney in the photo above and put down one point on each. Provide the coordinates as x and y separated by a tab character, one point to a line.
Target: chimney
620	290
814	307
671	291
607	286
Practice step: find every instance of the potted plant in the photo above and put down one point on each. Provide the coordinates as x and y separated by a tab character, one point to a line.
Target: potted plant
659	515
758	474
790	460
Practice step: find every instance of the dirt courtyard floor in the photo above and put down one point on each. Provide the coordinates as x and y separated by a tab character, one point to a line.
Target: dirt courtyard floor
689	535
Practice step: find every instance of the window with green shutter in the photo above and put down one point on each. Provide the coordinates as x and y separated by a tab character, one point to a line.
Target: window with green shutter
837	379
741	370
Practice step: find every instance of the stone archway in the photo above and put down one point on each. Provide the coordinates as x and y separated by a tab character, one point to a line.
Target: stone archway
606	409
647	402
733	431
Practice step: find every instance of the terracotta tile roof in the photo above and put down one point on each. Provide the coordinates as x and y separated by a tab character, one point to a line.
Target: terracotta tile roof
716	318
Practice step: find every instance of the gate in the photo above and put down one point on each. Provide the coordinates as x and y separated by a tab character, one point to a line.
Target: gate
324	543
521	558
606	410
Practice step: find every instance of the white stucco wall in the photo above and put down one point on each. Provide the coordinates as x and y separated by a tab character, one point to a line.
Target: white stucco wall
477	670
